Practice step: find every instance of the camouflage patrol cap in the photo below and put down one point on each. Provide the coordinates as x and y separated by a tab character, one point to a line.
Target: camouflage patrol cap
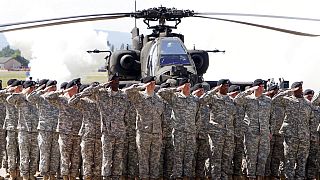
308	91
148	79
234	88
296	84
223	81
10	81
28	84
258	82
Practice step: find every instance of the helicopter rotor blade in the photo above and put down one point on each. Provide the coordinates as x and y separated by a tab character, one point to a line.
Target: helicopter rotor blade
63	22
261	26
64	18
257	15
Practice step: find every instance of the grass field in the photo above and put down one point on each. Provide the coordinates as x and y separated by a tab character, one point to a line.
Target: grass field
87	78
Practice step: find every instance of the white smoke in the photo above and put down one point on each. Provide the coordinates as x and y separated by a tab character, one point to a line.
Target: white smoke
60	52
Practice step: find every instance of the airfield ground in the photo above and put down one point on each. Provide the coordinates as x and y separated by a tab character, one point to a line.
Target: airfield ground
86	78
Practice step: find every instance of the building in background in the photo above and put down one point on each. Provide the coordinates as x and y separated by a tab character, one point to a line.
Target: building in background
9	63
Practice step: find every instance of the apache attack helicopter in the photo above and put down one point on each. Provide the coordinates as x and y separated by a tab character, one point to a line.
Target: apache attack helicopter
161	53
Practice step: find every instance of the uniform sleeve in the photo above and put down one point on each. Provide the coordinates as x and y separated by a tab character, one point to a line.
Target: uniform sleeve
279	100
3	95
167	94
126	115
272	120
133	94
199	117
239	125
240	99
34	97
15	99
53	98
316	100
92	90
76	102
314	122
208	97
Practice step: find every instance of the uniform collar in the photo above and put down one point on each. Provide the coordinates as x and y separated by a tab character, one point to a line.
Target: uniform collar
147	95
182	95
113	93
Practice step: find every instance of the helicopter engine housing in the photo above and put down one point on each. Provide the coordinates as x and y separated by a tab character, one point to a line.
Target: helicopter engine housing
126	64
200	59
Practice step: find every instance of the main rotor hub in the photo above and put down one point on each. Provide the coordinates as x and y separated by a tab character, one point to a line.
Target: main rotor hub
163	14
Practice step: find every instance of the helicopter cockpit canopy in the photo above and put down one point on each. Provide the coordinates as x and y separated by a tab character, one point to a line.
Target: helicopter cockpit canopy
172	52
169	57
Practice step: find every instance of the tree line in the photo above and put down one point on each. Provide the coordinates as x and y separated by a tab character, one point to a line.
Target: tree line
14	53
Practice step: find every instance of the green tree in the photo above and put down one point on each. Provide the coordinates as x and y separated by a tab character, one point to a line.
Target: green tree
7	52
24	62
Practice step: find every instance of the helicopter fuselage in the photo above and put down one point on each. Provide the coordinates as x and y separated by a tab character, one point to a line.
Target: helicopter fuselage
166	58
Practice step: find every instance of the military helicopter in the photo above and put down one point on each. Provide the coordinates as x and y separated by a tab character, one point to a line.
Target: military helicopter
161	53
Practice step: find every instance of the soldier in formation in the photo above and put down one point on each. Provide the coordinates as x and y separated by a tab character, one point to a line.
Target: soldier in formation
2	132
167	153
150	132
295	129
149	107
238	154
47	137
10	125
202	124
184	109
312	166
257	109
90	132
274	165
69	124
221	133
27	130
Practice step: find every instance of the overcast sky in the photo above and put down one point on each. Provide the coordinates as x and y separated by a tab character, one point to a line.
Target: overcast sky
250	52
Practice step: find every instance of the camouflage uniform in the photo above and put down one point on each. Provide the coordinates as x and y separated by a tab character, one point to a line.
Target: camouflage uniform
295	129
48	137
131	167
113	106
69	124
238	154
27	136
149	131
313	158
10	125
203	148
221	133
275	159
185	109
90	133
257	133
167	154
2	131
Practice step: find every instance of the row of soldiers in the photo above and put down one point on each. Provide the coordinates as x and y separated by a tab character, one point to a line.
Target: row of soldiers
149	132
